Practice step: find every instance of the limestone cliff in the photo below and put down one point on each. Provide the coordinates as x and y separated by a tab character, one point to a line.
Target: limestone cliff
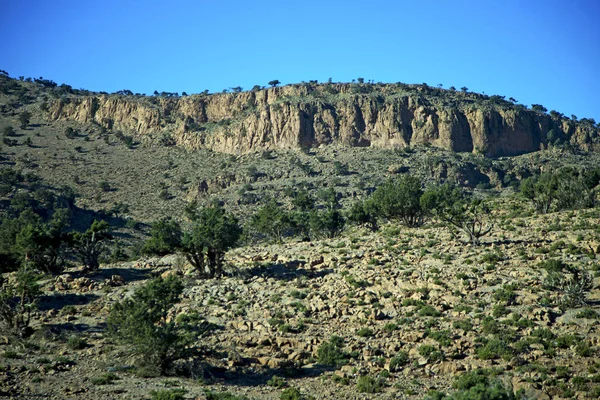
351	114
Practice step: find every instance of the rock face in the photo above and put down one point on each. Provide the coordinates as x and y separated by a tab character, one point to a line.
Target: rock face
305	115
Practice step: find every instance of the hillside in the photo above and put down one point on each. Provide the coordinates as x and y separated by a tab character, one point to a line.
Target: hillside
326	305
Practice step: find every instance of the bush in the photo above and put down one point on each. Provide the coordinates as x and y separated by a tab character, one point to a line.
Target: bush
76	342
368	384
277	382
294	394
140	323
398	361
91	244
572	288
104	379
166	394
400	199
17	301
365	332
272	220
223	396
331	354
165	238
456	209
24	119
213	232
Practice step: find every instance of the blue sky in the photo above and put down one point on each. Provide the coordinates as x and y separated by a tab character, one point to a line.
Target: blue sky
545	51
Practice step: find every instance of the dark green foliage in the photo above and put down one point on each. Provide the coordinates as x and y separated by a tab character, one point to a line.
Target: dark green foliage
140	323
331	354
104	379
456	208
8	131
364	213
165	238
398	361
368	384
24	119
541	190
399	199
274	82
303	201
567	188
223	396
76	342
572	287
17	301
272	220
212	233
33	225
168	394
326	223
88	246
470	379
494	348
293	393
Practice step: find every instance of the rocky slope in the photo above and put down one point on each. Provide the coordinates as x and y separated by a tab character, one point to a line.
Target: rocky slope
308	115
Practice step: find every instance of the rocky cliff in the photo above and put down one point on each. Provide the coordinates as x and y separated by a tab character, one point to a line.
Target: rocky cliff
311	114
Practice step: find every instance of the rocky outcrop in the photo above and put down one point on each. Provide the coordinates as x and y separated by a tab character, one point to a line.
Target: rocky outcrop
386	116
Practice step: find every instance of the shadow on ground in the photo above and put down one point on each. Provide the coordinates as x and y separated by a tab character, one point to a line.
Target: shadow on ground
286	272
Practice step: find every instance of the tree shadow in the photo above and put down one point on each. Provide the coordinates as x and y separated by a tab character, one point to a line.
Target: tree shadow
128	274
76	328
283	271
60	300
248	372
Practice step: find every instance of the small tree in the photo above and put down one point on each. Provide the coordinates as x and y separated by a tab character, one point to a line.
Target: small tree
400	199
42	245
18	300
274	83
272	220
165	237
541	190
452	206
328	222
140	322
88	246
213	232
24	119
364	213
8	131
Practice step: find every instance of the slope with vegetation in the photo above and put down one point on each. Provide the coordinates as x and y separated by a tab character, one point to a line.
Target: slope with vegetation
132	268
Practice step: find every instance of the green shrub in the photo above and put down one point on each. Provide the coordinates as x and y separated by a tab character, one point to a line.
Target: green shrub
398	361
588	313
431	353
277	382
368	384
429	311
365	332
212	233
76	342
168	394
165	238
331	354
293	393
140	323
105	379
18	299
223	396
494	348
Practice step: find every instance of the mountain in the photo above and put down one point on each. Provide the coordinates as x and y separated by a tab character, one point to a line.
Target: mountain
311	114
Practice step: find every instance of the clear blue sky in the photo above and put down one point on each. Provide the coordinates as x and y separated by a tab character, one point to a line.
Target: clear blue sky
545	51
